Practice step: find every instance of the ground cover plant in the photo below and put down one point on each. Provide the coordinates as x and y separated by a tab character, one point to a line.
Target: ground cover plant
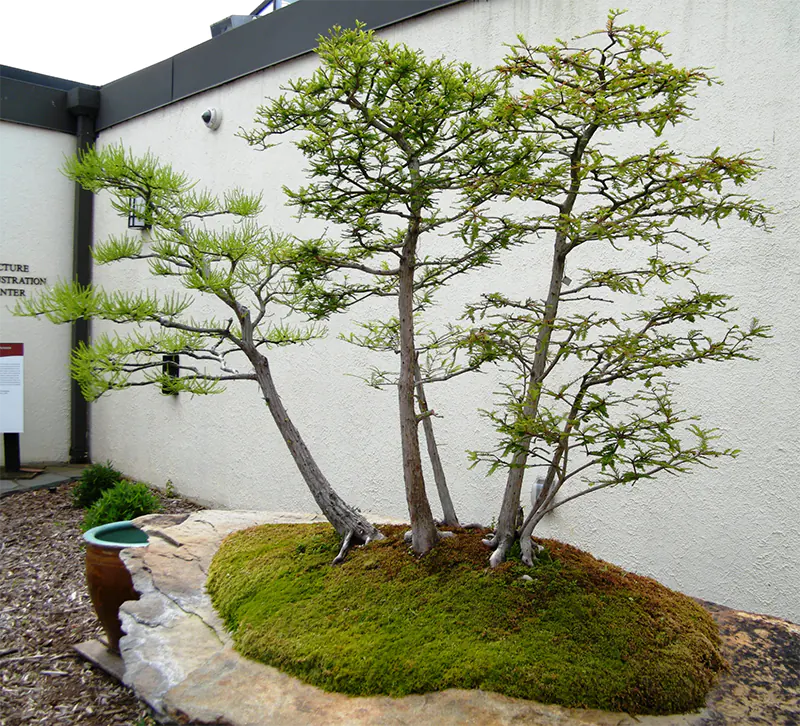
575	630
126	500
94	480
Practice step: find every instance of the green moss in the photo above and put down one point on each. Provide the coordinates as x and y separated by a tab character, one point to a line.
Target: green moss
581	633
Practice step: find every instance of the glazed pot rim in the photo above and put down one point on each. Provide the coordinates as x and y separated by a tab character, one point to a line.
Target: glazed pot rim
91	535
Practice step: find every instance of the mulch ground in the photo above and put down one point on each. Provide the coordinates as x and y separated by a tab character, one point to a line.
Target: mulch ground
45	610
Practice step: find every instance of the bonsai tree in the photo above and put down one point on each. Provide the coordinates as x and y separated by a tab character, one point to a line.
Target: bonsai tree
409	161
241	265
403	156
592	397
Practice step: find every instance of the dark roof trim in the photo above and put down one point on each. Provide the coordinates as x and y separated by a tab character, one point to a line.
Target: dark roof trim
38	100
40	79
33	105
267	41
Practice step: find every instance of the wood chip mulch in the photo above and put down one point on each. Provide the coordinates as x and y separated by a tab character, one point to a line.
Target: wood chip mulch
45	610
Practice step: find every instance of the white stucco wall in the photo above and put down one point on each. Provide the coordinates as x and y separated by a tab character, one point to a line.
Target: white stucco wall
36	218
731	535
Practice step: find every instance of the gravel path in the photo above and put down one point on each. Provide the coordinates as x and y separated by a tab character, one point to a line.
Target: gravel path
45	610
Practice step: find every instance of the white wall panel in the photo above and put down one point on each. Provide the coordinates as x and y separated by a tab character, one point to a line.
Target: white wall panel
36	219
729	534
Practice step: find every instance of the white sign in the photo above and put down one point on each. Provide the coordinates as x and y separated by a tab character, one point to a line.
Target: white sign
11	378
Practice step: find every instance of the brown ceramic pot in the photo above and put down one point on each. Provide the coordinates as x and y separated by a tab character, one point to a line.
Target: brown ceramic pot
108	579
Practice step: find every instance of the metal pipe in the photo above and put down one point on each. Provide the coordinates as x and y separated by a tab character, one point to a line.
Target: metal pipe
84	104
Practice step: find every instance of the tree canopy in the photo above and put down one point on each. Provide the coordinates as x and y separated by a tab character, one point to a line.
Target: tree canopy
424	170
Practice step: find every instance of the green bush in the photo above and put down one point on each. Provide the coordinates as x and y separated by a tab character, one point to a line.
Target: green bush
124	501
94	480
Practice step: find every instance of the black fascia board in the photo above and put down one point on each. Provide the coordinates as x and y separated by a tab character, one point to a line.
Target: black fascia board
41	79
136	94
269	40
33	105
35	99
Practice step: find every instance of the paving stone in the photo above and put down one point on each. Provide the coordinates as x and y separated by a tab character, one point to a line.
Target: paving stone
51	476
180	660
9	486
98	654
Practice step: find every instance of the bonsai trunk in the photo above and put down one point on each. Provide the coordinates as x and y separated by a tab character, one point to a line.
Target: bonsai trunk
506	530
423	528
448	511
555	478
346	521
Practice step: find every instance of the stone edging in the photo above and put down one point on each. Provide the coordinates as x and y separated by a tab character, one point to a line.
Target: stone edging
179	659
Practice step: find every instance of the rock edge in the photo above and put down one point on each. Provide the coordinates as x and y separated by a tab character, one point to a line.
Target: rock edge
179	659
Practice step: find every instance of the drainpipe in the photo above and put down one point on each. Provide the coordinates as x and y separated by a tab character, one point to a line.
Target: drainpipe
83	103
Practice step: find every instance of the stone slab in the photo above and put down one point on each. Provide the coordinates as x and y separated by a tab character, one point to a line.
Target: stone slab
100	656
9	486
52	477
180	660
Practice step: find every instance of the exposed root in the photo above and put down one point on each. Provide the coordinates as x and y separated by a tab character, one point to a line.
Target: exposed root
473	525
348	538
492	541
407	536
499	555
446	523
529	551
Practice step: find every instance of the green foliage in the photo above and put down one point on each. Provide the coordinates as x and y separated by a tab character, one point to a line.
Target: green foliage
95	479
404	157
581	632
125	500
592	361
242	265
403	154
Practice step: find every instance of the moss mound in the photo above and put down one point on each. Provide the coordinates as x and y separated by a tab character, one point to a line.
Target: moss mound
581	633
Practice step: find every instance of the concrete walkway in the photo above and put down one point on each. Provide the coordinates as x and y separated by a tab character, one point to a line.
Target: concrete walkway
53	475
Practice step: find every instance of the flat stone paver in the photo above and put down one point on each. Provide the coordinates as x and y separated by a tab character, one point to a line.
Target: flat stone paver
53	475
180	660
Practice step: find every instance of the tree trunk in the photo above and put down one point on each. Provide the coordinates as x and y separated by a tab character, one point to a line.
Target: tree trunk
506	525
345	520
553	481
506	530
448	511
423	528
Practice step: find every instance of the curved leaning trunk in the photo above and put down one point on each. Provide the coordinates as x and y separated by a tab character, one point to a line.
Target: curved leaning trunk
348	523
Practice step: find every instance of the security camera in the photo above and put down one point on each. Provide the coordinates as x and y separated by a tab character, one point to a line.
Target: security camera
212	117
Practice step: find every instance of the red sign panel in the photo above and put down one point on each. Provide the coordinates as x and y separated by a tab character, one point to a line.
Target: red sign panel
9	349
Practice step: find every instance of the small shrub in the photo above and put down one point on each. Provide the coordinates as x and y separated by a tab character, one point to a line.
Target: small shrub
124	501
94	480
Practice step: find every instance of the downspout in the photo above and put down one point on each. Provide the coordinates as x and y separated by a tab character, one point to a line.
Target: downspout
83	103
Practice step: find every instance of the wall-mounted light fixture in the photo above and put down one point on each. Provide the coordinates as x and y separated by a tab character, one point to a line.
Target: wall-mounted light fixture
170	367
137	214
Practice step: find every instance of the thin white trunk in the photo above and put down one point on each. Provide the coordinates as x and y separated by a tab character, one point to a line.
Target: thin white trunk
506	530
